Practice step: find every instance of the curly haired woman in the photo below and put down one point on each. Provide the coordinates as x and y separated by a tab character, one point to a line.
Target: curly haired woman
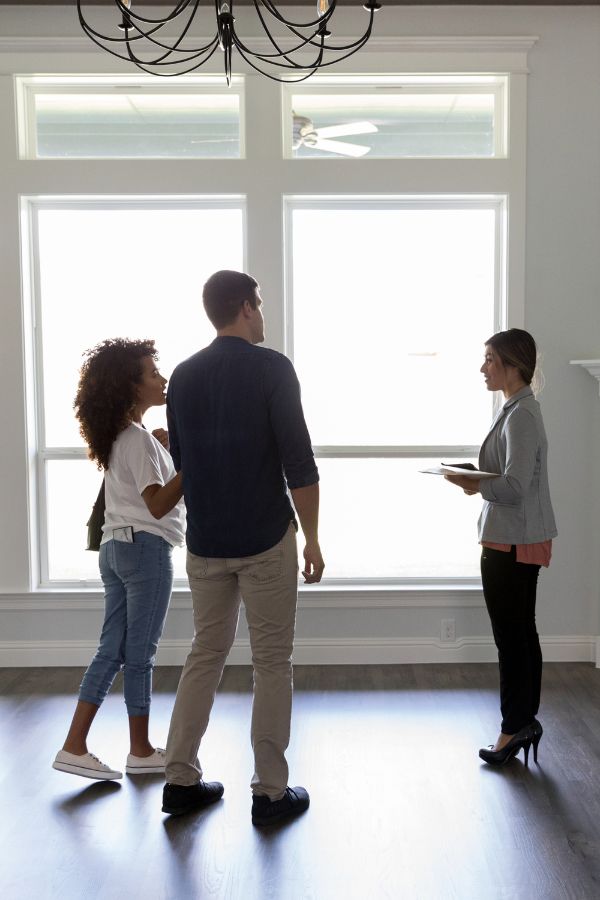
144	519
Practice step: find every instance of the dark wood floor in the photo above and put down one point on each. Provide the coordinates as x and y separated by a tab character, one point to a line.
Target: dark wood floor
401	805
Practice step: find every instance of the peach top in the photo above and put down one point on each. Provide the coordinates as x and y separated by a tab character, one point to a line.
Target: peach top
533	554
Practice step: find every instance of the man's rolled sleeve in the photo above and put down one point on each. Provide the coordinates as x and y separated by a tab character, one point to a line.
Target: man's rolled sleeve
282	389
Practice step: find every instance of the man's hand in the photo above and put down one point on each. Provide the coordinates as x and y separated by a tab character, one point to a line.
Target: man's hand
162	436
313	564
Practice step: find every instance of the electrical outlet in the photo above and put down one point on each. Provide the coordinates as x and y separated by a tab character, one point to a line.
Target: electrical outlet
448	630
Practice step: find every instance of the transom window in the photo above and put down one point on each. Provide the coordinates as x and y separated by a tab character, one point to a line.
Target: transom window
425	116
136	117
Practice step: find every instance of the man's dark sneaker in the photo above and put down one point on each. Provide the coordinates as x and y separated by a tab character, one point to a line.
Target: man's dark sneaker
179	799
268	812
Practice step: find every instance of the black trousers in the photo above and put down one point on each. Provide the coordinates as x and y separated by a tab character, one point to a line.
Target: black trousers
509	588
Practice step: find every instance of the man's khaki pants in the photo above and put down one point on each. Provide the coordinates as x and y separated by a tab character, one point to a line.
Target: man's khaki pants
268	585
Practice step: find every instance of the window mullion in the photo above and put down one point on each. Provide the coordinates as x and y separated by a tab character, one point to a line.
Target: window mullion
393	452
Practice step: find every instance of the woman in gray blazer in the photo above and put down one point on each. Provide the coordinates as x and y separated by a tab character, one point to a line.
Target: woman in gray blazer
516	527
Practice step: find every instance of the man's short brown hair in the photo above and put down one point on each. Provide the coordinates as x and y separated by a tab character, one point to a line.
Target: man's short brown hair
224	294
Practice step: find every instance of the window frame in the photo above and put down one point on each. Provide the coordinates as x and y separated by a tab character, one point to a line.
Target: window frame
40	453
263	102
497	203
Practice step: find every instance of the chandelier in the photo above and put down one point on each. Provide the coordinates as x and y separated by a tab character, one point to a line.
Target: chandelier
145	43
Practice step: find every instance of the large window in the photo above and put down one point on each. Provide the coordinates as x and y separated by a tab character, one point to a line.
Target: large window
391	301
108	269
383	270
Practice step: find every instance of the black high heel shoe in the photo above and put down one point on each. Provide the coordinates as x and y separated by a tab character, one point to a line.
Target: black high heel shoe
536	736
521	740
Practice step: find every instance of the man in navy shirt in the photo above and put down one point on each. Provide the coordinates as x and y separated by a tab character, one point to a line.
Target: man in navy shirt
237	432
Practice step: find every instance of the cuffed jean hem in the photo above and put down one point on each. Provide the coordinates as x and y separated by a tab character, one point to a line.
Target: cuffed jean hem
90	699
137	710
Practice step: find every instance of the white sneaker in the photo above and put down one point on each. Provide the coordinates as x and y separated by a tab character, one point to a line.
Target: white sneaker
87	765
146	765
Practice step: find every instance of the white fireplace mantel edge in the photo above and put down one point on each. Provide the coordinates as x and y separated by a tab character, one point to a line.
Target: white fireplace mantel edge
592	365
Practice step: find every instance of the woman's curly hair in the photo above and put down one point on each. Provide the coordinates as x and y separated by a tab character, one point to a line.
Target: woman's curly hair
106	393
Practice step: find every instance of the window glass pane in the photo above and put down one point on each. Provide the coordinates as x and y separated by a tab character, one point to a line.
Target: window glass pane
72	487
391	308
406	122
134	273
381	518
137	123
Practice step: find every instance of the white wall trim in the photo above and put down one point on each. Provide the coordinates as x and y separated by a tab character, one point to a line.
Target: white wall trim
315	651
375	597
398	43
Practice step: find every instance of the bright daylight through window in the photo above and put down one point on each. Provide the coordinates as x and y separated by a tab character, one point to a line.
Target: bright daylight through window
389	374
178	246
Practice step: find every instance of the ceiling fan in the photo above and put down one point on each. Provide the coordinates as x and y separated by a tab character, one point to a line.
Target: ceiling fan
306	135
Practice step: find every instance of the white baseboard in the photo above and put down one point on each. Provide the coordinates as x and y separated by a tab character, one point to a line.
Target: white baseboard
316	651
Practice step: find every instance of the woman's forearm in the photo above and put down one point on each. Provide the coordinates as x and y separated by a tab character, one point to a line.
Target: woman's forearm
160	499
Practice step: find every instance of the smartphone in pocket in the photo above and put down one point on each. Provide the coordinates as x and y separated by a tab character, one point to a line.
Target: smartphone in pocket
124	534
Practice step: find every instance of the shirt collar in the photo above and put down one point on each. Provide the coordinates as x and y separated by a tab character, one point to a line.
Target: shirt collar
229	339
524	392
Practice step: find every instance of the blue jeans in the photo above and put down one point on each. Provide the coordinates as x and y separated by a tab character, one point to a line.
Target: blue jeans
137	580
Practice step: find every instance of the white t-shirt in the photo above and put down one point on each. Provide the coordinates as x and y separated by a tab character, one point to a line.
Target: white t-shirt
138	460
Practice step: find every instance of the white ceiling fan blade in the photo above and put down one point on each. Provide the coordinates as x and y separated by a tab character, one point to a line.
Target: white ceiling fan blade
343	130
340	147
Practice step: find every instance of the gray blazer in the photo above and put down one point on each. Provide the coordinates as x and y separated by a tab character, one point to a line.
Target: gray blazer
517	507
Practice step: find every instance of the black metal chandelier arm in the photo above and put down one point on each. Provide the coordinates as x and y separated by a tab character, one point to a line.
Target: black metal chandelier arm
140	35
339	48
207	49
361	43
272	57
113	40
180	7
281	54
285	80
320	30
144	66
106	47
304	42
97	38
277	15
174	47
267	32
271	60
193	51
164	61
358	43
